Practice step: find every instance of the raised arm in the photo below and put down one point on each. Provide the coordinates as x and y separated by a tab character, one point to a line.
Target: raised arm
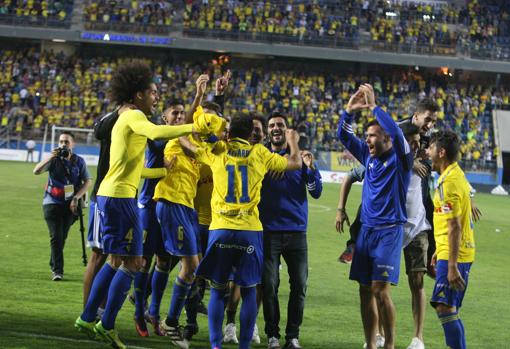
294	161
201	85
313	176
389	126
356	146
221	86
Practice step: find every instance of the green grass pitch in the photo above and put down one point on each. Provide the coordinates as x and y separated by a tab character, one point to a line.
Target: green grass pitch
38	313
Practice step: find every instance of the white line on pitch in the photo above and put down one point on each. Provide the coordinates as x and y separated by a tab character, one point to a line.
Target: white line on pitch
57	338
324	208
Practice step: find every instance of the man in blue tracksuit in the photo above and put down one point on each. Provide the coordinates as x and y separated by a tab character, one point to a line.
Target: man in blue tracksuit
388	160
284	216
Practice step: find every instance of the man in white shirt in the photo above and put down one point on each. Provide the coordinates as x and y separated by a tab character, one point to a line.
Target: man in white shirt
415	241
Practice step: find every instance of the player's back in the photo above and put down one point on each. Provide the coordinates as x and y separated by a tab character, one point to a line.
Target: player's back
238	170
126	158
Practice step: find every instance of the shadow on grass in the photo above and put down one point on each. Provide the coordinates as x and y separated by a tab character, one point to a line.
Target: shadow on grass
38	332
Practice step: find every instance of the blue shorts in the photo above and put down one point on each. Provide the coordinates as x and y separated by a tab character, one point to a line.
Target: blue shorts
94	239
442	293
237	251
152	236
203	231
179	225
377	255
121	228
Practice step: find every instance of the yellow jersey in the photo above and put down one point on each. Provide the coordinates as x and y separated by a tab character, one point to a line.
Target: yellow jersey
127	153
180	184
452	200
238	169
202	200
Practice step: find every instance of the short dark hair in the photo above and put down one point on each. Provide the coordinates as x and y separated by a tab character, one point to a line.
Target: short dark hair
215	107
409	129
259	117
128	80
427	104
376	123
69	133
373	123
277	114
241	126
175	102
449	141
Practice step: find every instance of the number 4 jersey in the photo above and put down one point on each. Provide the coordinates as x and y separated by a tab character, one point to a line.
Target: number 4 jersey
238	169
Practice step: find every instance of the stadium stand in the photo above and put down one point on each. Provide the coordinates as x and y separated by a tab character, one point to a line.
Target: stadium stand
36	13
47	88
302	22
154	17
432	28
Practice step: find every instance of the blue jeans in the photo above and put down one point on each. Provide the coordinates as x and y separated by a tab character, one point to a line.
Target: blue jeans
292	246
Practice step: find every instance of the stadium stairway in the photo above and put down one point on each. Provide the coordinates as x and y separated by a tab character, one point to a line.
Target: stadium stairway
77	17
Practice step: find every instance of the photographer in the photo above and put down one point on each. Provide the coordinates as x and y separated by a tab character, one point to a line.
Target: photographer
68	181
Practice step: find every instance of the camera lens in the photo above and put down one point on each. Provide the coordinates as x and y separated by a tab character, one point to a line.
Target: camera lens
63	152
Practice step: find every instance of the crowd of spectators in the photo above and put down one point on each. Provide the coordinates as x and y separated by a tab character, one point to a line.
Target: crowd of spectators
36	12
310	22
38	89
130	15
488	29
479	28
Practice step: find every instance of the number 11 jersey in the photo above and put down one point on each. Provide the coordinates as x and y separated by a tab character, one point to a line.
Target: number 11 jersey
238	169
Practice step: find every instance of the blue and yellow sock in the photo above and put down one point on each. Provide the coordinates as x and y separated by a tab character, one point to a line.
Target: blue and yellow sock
98	292
181	289
117	293
247	316
159	282
140	284
453	330
215	317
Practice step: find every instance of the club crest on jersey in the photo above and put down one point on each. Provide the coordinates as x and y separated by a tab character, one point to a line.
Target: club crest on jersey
446	208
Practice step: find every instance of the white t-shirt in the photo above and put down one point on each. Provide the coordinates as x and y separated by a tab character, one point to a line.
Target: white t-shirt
30	144
416	215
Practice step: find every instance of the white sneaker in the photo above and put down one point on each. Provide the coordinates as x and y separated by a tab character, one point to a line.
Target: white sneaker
175	335
416	343
273	343
255	338
230	334
379	342
292	343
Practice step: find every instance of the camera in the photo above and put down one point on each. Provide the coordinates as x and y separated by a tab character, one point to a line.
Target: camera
424	142
63	152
